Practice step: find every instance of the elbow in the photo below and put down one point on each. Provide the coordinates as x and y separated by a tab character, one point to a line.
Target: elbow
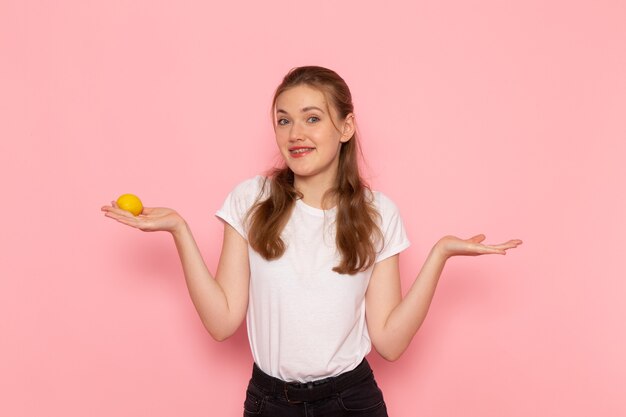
219	334
390	354
219	337
223	327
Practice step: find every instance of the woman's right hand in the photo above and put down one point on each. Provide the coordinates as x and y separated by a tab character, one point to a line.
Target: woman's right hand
151	219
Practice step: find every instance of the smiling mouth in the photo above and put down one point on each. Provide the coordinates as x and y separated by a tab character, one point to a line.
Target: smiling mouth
300	151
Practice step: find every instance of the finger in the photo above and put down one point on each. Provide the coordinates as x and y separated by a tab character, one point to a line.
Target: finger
120	212
478	238
123	219
132	221
489	249
509	244
498	249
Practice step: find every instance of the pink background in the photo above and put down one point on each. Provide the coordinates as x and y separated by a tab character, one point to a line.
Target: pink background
506	118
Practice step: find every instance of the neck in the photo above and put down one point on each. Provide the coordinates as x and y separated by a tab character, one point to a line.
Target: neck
313	190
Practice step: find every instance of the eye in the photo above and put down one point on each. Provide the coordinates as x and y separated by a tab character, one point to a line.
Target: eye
282	122
313	119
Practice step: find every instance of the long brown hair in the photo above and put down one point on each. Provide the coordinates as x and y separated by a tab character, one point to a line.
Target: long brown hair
357	231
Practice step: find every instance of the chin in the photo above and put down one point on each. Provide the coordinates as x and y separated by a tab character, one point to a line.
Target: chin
301	172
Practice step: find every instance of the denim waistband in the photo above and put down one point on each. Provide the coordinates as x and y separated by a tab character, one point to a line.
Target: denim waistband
299	392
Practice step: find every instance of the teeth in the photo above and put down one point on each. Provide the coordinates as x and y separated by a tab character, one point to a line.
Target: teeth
301	150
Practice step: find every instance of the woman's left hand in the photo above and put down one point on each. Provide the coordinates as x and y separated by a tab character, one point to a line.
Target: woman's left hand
450	246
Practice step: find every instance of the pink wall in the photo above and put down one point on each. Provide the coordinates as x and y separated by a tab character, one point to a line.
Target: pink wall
505	118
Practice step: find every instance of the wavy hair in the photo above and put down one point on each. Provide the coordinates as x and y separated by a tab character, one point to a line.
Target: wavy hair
357	231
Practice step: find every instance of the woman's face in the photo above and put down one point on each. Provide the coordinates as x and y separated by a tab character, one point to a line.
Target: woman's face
309	132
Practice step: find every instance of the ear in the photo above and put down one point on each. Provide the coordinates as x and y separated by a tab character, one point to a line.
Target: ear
348	129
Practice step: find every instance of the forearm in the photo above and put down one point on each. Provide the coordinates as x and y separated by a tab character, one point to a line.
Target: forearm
407	317
206	293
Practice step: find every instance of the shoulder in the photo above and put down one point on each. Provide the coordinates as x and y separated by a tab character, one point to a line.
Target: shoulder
251	189
383	203
245	194
239	201
395	239
251	185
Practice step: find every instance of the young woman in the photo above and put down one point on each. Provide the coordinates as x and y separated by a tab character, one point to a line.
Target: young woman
310	258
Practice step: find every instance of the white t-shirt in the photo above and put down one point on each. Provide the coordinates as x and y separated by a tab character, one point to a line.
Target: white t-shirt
305	321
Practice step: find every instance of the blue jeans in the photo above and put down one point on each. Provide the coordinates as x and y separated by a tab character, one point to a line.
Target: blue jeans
354	393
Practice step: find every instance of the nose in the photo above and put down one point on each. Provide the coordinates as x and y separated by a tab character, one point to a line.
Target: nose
296	133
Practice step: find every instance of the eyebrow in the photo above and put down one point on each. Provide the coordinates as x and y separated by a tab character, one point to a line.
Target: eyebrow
304	110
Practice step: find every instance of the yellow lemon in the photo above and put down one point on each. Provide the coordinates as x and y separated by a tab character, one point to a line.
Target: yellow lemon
130	202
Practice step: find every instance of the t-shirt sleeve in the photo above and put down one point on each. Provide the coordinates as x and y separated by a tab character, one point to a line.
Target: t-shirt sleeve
394	235
238	202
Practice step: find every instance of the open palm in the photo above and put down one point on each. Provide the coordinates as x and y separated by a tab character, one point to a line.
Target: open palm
151	219
454	246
